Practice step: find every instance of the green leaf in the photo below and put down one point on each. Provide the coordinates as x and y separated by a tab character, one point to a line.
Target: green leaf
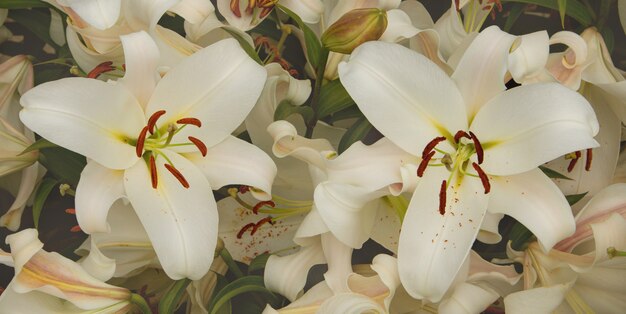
41	196
22	4
519	237
575	198
575	9
355	133
553	174
219	285
245	45
609	38
237	287
230	262
35	21
39	144
313	45
285	109
64	165
333	98
562	9
514	13
349	113
258	262
169	303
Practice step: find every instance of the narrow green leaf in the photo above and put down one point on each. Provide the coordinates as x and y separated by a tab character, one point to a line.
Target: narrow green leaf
349	113
39	144
575	198
553	174
22	4
333	98
313	45
514	13
230	262
237	287
562	9
219	285
355	133
575	9
64	165
609	38
141	303
245	45
520	236
285	109
258	262
44	189
169	303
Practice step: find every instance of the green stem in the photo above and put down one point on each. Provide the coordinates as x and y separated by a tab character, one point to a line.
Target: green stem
141	303
171	300
613	252
232	266
321	68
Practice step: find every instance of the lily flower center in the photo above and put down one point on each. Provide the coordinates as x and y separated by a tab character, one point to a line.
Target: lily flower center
150	147
466	145
265	7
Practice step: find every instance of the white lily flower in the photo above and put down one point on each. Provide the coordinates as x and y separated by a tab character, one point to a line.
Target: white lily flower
100	14
50	283
480	146
20	172
578	275
162	145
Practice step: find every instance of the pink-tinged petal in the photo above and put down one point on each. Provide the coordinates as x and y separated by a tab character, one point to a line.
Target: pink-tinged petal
567	67
287	142
387	269
181	222
538	300
100	14
536	202
339	260
56	275
141	56
218	85
501	279
97	190
287	274
603	159
529	125
420	101
234	161
77	112
480	72
433	246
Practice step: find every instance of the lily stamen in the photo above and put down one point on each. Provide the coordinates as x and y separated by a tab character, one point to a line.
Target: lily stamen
258	206
234	7
483	177
192	121
153	172
243	230
431	145
141	140
179	176
442	198
459	134
478	147
199	144
261	222
589	158
574	160
153	119
100	69
424	163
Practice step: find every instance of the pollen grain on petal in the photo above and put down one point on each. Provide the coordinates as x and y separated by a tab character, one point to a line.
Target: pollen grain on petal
179	176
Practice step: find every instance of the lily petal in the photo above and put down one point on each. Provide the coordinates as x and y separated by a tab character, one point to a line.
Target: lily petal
76	113
141	56
350	303
339	260
421	101
287	142
220	101
468	298
399	27
234	161
538	300
193	11
100	14
434	246
529	55
529	125
535	201
28	181
310	11
181	223
99	187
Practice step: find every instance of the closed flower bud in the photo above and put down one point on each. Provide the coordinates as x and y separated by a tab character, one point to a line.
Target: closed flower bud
355	28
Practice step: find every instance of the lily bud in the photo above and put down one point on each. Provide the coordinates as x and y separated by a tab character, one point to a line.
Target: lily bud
355	28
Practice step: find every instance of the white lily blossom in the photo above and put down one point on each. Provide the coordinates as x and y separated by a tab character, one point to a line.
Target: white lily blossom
163	144
480	146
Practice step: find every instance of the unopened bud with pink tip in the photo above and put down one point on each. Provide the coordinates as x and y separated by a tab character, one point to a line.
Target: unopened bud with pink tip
355	28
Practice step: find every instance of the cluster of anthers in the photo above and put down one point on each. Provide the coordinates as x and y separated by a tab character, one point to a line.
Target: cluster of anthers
265	6
575	156
456	162
287	208
149	147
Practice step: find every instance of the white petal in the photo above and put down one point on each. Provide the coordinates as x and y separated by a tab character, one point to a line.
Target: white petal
339	260
100	14
529	56
489	229
451	31
287	142
480	73
13	217
98	264
350	303
468	298
615	97
287	274
181	223
421	101
76	113
387	269
97	190
141	56
399	27
218	85
387	231
601	69
86	58
309	11
193	11
607	234
434	246
234	161
57	33
312	226
532	199
24	245
538	300
529	125
144	14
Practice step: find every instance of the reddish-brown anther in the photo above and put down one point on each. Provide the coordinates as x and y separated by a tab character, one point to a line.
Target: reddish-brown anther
234	7
101	68
70	211
425	160
442	198
589	158
431	145
258	206
179	176
192	121
199	144
478	147
260	223
153	119
243	230
141	141
483	177
243	189
459	134
76	229
153	172
573	162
